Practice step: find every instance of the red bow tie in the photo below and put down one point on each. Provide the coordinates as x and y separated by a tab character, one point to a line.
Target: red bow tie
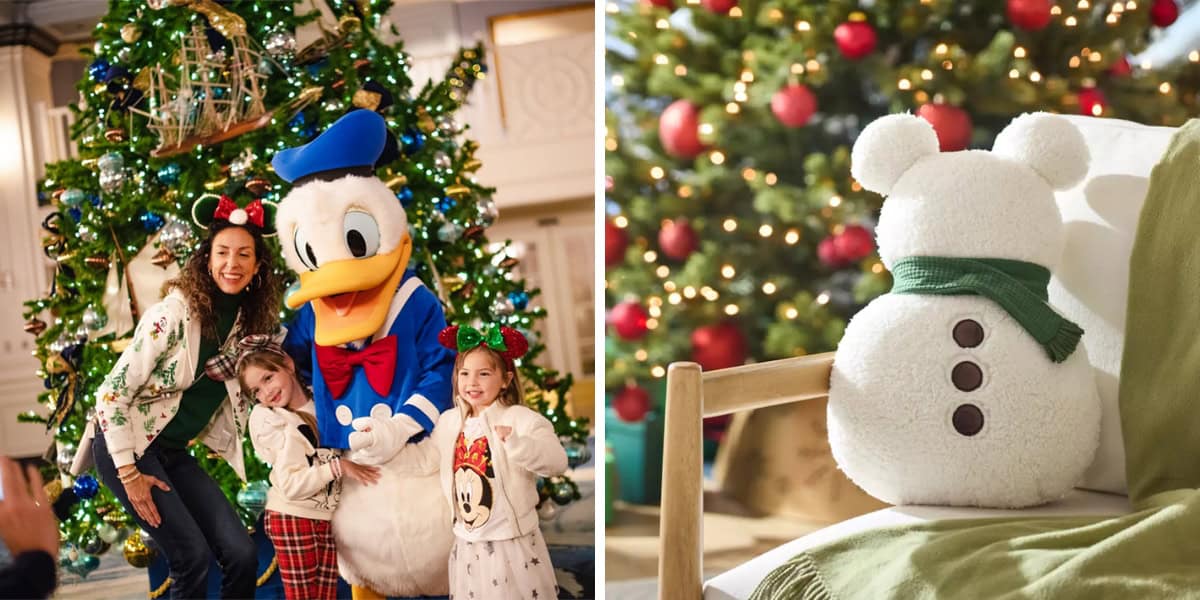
377	360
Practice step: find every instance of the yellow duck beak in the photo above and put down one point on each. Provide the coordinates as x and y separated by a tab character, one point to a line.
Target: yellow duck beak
350	298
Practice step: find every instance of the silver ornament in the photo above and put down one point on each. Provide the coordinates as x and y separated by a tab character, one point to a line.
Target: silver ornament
503	307
176	237
488	212
94	319
65	457
450	232
448	125
441	160
123	54
281	44
111	162
86	234
111	182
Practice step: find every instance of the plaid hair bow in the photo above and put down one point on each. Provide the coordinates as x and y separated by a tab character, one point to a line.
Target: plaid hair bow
224	365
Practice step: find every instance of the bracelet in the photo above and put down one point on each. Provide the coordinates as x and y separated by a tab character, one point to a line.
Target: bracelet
135	474
336	466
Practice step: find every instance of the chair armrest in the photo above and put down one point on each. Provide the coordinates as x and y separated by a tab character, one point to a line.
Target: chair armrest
691	396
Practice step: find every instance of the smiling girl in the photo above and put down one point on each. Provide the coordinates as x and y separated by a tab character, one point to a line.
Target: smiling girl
305	478
493	448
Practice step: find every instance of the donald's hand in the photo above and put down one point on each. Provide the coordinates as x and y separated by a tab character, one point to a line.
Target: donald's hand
378	438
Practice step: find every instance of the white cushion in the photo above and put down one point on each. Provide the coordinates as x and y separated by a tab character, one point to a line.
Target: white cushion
1090	285
741	581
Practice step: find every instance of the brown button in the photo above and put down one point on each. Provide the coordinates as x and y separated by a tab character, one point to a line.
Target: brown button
968	333
966	376
968	419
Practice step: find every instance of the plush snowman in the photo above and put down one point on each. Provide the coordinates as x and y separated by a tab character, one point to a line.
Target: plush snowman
963	386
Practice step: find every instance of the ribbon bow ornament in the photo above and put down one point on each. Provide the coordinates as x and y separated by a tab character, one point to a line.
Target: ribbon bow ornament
378	362
505	341
227	210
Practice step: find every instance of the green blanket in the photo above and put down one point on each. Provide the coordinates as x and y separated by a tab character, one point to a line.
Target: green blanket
1153	553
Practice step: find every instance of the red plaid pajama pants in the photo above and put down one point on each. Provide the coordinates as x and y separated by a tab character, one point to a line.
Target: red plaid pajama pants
307	558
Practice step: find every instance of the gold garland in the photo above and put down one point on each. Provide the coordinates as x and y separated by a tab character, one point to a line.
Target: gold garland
262	579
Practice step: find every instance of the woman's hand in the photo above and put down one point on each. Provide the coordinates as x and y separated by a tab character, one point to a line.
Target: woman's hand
137	489
26	521
363	474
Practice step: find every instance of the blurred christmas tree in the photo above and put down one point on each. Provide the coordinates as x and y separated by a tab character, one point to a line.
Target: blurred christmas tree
734	231
186	97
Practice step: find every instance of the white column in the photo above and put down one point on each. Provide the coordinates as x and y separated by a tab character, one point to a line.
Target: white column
24	86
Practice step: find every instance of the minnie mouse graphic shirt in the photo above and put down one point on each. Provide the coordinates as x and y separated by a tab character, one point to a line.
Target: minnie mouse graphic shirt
481	507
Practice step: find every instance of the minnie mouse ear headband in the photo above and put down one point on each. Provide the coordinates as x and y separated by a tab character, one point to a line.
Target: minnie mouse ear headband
505	341
211	207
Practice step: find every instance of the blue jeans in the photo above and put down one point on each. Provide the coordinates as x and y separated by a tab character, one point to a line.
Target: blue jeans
196	518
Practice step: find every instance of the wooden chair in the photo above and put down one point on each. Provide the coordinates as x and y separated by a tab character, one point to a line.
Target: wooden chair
691	397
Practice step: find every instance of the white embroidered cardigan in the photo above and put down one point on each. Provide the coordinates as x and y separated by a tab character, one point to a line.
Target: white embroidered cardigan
142	392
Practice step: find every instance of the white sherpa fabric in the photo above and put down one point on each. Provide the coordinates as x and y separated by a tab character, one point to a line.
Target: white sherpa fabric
891	398
318	208
394	537
1049	144
888	147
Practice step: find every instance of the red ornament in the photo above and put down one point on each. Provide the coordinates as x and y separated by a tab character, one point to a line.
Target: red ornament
1030	15
827	253
632	404
629	319
677	239
854	243
721	7
615	242
794	105
667	4
1164	12
679	130
1092	102
855	39
1120	67
952	125
718	346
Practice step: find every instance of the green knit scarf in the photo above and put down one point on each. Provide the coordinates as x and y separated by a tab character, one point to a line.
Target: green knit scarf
1019	288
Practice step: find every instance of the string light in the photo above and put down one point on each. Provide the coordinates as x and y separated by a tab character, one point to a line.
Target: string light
655	310
709	293
735	12
768	288
681	70
716	157
733	108
1071	21
662	271
791	312
1194	56
621	222
1013	73
823	298
651	323
797	69
1035	77
771	179
791	237
731	309
685	191
941	49
650	256
1019	52
729	225
1074	62
657	172
662	24
641	355
1165	87
812	65
674	298
660	59
904	84
927	75
727	271
803	26
749	174
657	371
765	231
835	201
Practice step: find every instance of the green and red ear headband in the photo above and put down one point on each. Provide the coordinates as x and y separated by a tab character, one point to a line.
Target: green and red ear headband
505	341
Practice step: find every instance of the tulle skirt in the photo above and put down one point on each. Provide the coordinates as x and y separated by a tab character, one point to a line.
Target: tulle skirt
516	569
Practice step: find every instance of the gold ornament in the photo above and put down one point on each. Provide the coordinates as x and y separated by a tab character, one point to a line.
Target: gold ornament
163	258
65	257
142	80
258	186
216	184
130	33
114	134
35	326
348	24
361	64
221	19
509	263
56	364
453	282
458	190
424	121
99	263
367	99
54	489
136	551
397	182
472	165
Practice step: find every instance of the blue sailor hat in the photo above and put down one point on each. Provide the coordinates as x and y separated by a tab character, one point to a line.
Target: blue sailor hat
352	145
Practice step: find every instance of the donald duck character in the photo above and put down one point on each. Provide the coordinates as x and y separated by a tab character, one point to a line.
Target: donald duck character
366	336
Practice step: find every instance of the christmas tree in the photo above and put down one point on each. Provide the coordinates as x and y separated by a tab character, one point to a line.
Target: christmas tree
734	231
187	97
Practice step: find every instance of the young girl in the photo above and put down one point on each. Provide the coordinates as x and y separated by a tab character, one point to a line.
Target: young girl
305	478
493	447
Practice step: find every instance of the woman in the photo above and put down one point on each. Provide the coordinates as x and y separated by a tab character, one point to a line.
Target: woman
174	383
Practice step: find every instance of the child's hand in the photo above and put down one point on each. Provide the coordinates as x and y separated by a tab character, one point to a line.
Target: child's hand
363	474
503	431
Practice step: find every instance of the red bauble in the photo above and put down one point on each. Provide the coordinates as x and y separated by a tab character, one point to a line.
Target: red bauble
952	125
679	130
629	319
794	105
721	7
855	39
718	346
1030	15
677	239
615	242
632	404
667	4
1164	12
1092	102
854	243
827	253
1120	67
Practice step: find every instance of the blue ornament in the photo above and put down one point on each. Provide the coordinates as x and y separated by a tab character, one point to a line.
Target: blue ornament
254	496
309	133
577	453
520	299
72	197
151	221
412	140
297	121
94	199
111	162
482	68
98	69
445	204
75	213
169	174
86	487
405	196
